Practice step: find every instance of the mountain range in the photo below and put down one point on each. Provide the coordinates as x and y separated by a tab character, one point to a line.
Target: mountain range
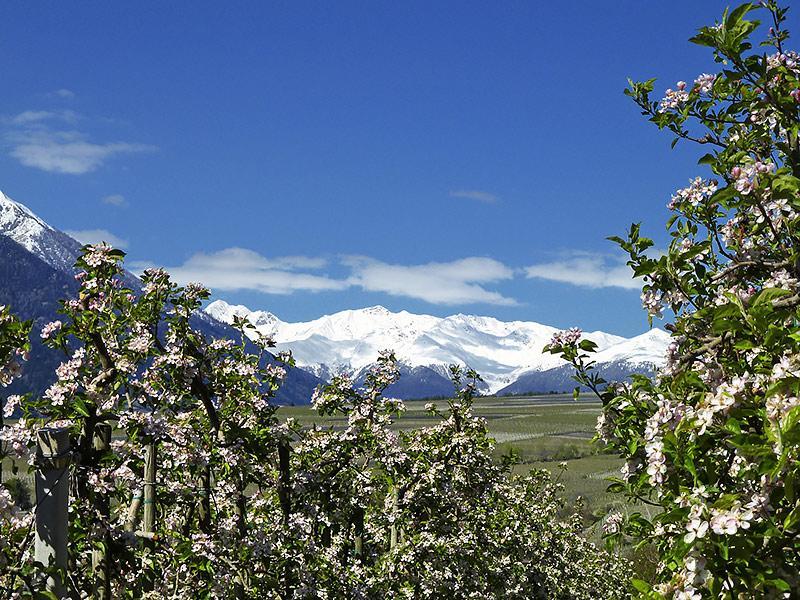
507	355
36	273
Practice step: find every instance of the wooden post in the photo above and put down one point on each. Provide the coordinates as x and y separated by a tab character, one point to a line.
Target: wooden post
284	481
358	526
204	501
149	521
52	499
284	497
2	426
133	511
101	560
393	528
149	517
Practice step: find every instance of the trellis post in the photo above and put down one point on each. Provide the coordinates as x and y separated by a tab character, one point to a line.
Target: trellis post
393	528
101	561
358	530
285	499
52	498
149	506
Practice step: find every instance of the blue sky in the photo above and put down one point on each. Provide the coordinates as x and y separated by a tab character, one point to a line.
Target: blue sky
305	158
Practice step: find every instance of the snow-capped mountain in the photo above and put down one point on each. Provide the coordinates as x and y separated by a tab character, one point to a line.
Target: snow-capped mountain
36	271
54	247
504	353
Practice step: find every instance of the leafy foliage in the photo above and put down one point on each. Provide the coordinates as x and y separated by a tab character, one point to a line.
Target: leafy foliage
713	440
14	345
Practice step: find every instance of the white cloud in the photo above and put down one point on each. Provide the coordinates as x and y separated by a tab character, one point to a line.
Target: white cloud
66	152
234	269
479	195
95	236
456	282
59	94
37	116
115	200
40	139
587	270
241	269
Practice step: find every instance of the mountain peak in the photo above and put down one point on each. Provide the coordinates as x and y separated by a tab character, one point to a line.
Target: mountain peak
19	222
376	310
22	225
224	312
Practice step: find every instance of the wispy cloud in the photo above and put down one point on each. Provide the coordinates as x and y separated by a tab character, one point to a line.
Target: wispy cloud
114	200
40	139
63	93
235	269
587	270
37	116
68	152
457	282
470	280
95	236
478	195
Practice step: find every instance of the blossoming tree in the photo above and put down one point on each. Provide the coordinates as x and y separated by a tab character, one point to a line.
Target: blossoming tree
713	440
133	363
184	482
14	347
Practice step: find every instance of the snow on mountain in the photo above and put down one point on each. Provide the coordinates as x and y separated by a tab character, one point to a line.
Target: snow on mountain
508	355
349	341
36	272
648	347
54	247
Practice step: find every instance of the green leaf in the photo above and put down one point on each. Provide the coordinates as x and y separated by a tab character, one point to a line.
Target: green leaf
779	584
80	406
616	487
792	519
789	422
737	15
707	159
768	295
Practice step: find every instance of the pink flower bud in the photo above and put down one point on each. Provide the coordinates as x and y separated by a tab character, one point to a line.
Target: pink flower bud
736	172
681	85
